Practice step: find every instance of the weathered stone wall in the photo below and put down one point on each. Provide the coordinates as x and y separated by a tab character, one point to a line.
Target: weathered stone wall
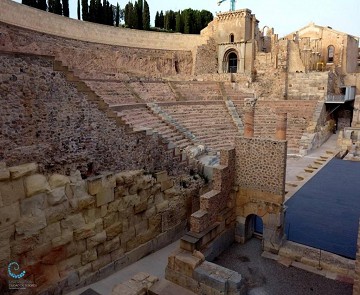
356	290
308	86
99	61
40	21
64	230
260	177
206	61
46	120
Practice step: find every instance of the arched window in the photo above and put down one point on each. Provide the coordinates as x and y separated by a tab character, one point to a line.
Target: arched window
232	62
231	38
331	53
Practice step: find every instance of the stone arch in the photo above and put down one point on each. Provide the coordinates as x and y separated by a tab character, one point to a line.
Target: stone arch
330	53
231	61
253	225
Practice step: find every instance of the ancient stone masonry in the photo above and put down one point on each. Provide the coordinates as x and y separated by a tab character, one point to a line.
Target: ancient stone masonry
260	177
356	290
97	61
66	231
50	122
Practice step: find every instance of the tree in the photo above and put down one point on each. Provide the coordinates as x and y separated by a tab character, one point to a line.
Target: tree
85	10
51	6
157	15
179	26
161	20
66	7
117	17
78	9
146	16
41	4
58	7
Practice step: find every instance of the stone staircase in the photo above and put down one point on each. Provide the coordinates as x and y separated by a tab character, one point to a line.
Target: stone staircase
135	117
235	116
210	122
198	90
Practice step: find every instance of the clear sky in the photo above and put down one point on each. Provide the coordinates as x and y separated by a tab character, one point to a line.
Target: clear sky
285	16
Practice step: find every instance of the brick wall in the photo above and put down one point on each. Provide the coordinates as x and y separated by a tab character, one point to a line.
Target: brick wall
63	230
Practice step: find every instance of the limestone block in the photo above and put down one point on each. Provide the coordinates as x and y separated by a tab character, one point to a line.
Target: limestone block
24	244
35	184
30	206
113	206
95	185
70	263
73	222
117	254
122	289
84	271
162	206
140	207
88	256
58	180
141	227
185	263
85	202
66	238
51	231
166	184
104	196
110	219
30	225
90	215
84	232
159	197
23	170
9	215
108	246
127	235
161	176
96	240
114	230
12	191
101	262
103	211
4	174
150	212
131	200
57	196
56	213
99	225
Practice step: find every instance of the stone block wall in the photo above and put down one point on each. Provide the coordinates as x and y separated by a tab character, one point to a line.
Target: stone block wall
66	231
45	119
356	288
260	177
308	86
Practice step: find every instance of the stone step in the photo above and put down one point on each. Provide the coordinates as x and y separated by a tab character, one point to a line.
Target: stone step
165	287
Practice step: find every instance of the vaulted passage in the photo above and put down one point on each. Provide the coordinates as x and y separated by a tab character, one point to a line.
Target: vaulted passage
232	62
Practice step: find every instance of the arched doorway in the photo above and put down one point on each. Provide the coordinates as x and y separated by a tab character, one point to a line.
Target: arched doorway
253	226
232	62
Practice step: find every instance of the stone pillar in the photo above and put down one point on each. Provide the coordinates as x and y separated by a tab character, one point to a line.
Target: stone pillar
249	109
281	126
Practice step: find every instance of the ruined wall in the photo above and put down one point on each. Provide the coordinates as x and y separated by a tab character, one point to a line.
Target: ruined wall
100	61
356	290
49	23
64	230
295	62
260	177
206	61
307	86
45	119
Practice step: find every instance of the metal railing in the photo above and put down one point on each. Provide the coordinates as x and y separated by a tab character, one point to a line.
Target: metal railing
336	98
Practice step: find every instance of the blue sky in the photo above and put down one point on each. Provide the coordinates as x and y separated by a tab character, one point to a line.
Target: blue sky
285	16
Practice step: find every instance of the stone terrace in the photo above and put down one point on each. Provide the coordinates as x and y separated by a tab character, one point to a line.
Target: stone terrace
209	121
191	91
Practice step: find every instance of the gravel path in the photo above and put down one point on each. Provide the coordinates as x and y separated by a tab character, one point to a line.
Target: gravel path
267	277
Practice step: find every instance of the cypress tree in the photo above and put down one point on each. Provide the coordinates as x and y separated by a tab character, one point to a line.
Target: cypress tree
92	11
51	6
58	7
66	7
117	18
85	10
41	4
161	20
157	16
146	16
78	9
